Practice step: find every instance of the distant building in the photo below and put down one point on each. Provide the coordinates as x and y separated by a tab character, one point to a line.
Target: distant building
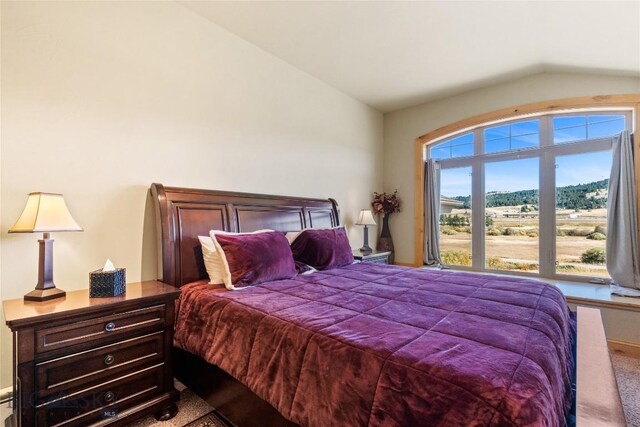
448	204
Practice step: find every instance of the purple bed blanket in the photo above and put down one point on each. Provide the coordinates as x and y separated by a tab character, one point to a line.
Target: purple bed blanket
379	345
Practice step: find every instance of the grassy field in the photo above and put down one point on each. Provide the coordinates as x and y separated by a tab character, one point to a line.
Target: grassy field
511	241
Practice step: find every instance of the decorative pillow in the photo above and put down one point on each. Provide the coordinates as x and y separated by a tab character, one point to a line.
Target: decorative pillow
212	260
293	235
253	258
323	249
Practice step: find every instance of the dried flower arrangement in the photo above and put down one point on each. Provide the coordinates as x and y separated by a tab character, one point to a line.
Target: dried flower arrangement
384	203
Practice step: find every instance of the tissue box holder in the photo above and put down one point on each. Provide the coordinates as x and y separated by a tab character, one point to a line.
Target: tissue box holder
107	283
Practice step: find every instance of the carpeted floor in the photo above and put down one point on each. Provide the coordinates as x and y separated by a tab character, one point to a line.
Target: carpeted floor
628	376
210	420
190	408
193	408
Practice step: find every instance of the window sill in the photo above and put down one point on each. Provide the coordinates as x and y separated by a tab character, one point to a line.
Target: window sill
594	295
580	293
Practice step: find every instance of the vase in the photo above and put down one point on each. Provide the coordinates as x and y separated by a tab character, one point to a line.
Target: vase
385	242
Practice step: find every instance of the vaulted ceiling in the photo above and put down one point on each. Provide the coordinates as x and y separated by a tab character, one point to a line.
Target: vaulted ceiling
393	55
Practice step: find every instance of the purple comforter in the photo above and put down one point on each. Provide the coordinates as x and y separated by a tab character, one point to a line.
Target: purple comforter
379	345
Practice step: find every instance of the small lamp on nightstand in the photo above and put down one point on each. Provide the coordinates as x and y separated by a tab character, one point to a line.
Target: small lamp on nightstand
46	213
366	219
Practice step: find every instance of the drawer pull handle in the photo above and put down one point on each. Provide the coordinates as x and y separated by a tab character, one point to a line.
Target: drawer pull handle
109	397
109	327
108	359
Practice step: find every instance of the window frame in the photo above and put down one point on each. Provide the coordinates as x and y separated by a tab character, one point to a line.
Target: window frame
547	151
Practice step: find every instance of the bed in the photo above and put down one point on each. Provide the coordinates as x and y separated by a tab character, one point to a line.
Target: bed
363	344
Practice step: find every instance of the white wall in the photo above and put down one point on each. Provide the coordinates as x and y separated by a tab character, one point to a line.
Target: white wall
99	100
401	128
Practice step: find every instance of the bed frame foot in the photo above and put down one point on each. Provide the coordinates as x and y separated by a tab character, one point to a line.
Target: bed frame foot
167	412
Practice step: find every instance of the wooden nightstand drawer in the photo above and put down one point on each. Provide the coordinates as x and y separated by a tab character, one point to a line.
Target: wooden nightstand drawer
100	328
105	400
66	374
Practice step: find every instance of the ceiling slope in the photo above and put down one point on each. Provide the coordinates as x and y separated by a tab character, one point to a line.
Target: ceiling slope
393	55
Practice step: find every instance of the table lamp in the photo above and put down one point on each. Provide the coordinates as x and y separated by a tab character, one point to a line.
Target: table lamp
366	219
46	213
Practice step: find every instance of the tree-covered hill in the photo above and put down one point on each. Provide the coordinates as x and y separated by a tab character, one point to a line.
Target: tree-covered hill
581	196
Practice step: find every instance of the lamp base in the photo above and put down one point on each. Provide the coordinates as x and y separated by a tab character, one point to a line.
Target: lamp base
45	289
365	250
44	294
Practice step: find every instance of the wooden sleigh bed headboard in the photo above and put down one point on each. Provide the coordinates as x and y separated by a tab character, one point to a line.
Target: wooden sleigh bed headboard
183	214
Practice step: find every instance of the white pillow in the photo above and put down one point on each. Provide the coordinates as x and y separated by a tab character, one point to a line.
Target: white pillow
212	260
225	272
292	235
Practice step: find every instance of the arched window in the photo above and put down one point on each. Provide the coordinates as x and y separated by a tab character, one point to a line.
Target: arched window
529	194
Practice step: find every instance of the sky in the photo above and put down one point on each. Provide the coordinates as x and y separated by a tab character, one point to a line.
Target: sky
523	174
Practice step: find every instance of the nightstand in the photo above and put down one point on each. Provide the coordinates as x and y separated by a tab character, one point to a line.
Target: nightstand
81	361
374	256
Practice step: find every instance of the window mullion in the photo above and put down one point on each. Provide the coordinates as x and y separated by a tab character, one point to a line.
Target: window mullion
546	131
477	204
547	201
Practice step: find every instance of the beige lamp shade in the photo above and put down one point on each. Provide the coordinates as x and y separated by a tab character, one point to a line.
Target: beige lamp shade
366	218
45	212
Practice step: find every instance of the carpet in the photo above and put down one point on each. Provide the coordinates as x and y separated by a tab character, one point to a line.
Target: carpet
628	376
212	419
190	408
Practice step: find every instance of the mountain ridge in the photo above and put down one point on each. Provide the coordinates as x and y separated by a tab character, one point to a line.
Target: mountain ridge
580	196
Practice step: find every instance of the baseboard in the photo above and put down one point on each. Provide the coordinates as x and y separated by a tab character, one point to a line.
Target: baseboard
6	394
404	264
624	347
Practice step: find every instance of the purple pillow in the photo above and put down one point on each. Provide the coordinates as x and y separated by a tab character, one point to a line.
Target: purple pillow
323	248
257	258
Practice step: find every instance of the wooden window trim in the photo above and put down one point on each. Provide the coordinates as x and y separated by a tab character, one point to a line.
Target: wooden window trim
629	101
